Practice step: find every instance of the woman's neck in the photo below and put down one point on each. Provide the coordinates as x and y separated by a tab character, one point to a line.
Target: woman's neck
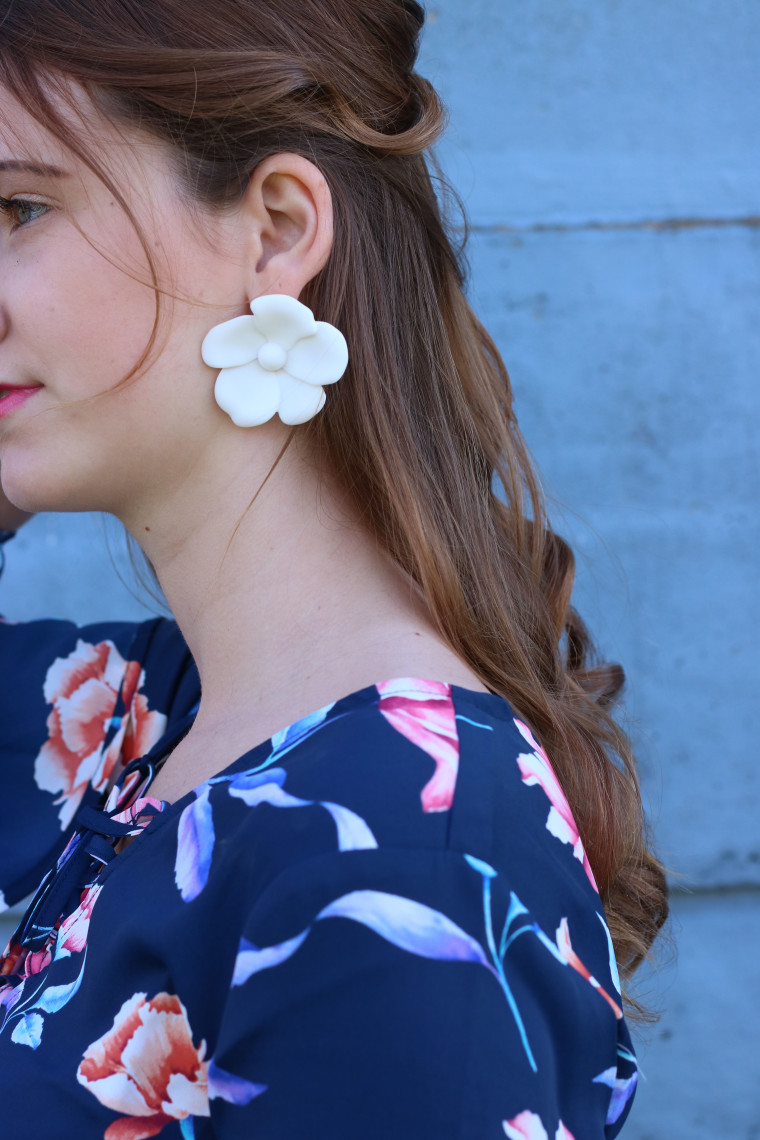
288	603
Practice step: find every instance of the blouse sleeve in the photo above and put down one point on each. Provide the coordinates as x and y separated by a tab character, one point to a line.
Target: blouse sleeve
372	997
75	703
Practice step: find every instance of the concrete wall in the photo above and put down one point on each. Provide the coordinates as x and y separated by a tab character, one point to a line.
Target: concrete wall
609	156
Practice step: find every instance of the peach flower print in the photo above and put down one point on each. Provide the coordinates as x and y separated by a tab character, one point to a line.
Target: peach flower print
536	769
83	689
423	712
528	1126
147	1068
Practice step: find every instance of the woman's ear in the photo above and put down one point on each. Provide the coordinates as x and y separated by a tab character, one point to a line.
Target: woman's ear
288	222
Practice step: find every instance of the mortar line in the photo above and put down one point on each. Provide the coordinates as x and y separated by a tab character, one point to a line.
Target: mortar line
701	892
651	225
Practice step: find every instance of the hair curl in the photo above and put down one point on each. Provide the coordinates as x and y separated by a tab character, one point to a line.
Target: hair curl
421	430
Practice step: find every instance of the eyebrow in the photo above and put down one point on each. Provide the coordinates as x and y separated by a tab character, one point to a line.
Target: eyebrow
39	168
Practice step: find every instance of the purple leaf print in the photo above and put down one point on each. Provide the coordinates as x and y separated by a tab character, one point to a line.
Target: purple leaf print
28	1031
250	959
195	846
622	1091
267	788
235	1090
423	712
409	925
353	833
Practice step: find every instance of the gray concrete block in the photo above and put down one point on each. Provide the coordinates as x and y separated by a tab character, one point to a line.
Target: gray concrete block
699	1064
585	111
633	357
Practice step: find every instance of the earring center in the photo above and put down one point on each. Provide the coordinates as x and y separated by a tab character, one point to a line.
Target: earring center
272	356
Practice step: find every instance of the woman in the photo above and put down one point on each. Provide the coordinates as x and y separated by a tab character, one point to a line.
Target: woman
230	316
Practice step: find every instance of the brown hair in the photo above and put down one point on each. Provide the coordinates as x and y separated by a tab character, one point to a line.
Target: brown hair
421	429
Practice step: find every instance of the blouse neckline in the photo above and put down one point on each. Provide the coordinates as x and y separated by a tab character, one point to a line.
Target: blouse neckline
492	703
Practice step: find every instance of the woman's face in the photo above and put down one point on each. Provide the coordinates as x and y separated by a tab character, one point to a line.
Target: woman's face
76	312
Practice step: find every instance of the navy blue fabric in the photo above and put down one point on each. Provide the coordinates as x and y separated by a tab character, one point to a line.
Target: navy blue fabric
380	923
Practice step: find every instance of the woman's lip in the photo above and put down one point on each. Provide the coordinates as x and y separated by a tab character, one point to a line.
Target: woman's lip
15	398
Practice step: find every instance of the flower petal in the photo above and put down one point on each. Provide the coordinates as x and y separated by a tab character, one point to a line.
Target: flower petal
525	1126
248	394
282	319
424	713
234	342
298	402
321	358
408	924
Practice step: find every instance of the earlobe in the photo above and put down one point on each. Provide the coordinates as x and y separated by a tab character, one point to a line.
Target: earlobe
289	205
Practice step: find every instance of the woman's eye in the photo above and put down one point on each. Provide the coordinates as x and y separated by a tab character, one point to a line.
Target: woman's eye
21	211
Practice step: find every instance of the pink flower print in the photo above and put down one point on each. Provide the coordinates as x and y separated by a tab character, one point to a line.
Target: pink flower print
423	712
536	769
147	1068
72	935
83	690
36	962
528	1126
565	948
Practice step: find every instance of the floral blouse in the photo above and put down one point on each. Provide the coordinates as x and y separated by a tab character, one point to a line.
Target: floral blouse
380	923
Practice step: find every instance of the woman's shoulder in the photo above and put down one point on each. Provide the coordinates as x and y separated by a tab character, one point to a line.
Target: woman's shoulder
413	764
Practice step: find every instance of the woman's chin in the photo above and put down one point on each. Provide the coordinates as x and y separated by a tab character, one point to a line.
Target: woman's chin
29	487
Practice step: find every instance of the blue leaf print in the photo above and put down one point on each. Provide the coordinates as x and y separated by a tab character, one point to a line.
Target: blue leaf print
411	925
622	1091
481	867
295	733
28	1031
235	1090
250	959
265	792
187	1128
54	998
195	846
353	833
246	781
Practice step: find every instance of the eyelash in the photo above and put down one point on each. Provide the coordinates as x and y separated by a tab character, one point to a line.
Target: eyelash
9	206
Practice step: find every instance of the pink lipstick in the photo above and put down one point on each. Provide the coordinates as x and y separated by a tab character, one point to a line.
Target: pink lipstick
12	398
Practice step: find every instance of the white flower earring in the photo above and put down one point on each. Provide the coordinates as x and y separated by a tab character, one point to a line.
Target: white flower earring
274	362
